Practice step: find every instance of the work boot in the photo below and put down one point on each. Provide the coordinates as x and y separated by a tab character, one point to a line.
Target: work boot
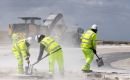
87	71
86	68
20	71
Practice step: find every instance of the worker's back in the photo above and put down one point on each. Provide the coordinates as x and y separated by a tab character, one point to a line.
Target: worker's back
87	39
50	44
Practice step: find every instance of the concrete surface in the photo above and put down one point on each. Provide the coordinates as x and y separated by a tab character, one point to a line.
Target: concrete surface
116	59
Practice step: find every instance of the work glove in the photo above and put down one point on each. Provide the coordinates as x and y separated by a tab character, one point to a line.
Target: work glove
27	44
28	54
27	60
94	51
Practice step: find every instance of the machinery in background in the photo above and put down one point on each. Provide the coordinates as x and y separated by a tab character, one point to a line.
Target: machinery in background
28	28
53	26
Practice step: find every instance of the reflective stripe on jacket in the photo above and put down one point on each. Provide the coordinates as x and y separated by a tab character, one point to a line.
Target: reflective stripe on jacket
21	47
50	45
88	39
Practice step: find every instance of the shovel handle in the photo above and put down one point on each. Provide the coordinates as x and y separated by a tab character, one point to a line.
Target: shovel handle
95	52
44	56
97	55
41	59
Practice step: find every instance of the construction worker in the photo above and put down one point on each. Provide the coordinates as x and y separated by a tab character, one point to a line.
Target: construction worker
20	50
21	35
14	38
53	49
88	45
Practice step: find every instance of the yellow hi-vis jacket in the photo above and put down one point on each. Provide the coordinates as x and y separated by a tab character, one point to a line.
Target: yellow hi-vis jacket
88	39
50	45
20	48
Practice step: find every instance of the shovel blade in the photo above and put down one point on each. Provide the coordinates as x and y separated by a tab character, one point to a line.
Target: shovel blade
28	70
99	62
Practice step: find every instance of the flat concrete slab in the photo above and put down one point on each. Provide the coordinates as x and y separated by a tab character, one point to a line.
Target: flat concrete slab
116	59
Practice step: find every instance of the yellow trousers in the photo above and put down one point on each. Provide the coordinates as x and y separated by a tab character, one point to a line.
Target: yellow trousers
89	55
19	58
56	57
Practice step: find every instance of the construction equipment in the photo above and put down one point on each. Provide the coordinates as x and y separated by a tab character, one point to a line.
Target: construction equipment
29	68
80	31
99	61
29	27
53	26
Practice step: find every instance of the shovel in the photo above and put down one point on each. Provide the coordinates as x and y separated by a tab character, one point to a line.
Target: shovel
30	68
99	61
27	69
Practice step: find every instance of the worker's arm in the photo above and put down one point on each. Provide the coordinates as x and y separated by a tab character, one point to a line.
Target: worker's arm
94	44
28	45
42	47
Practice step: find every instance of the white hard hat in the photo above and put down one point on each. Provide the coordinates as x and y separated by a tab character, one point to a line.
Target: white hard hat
94	26
29	39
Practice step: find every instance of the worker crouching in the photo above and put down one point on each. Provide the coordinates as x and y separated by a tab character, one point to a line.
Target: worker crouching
20	50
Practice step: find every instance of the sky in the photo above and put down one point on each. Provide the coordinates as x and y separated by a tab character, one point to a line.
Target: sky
111	16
